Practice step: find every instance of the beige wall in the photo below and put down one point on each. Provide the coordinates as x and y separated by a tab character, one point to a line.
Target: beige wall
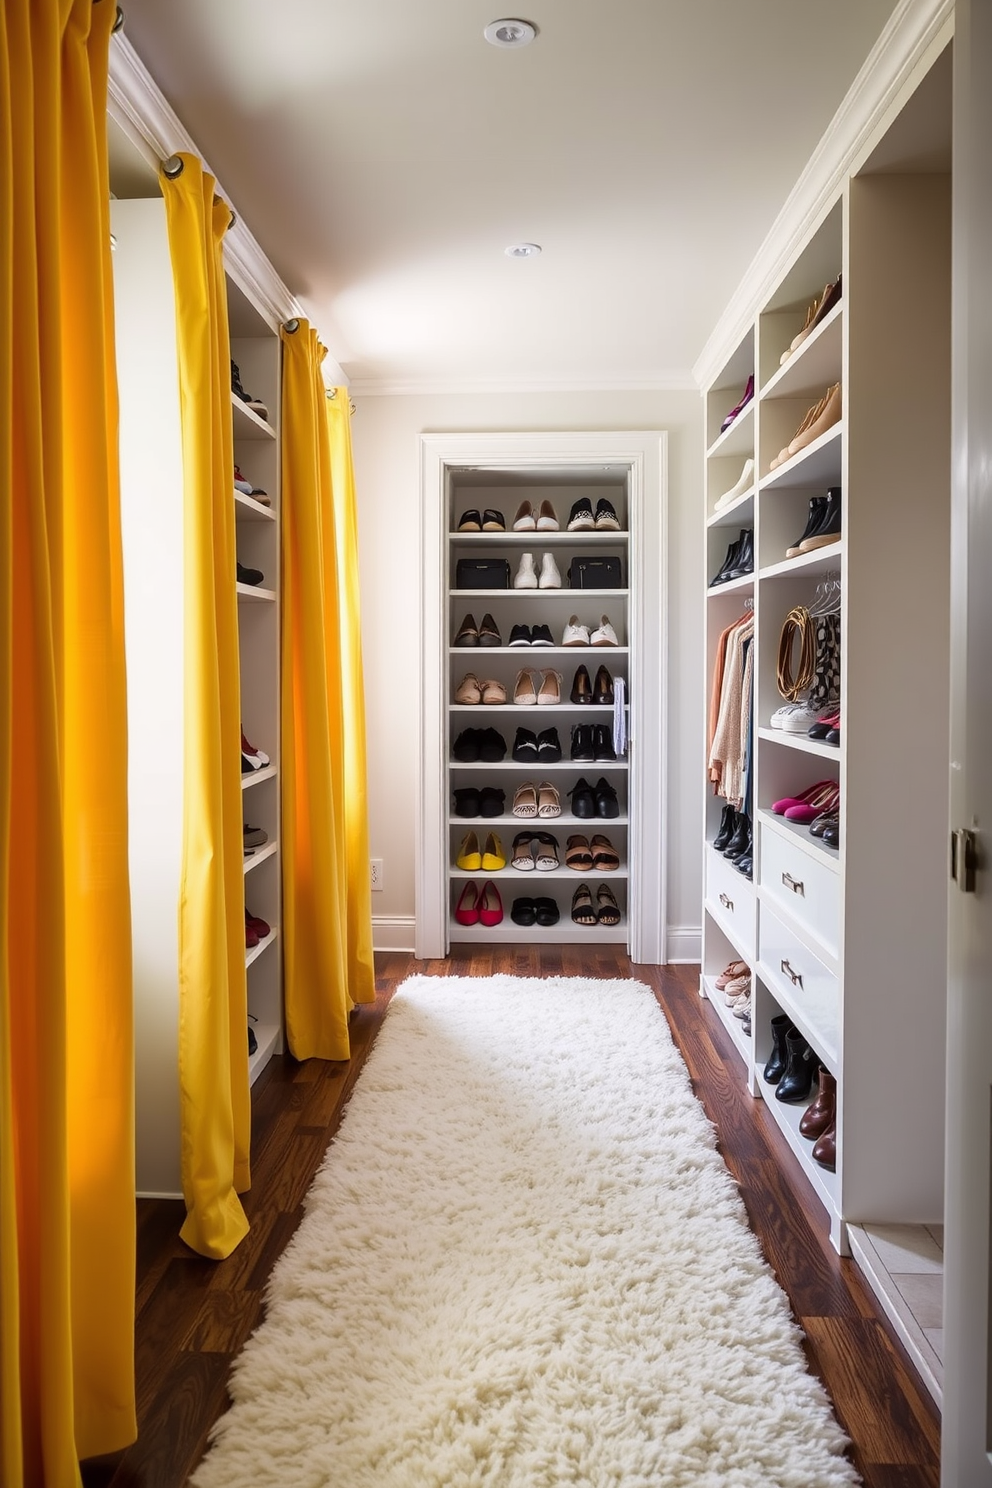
386	447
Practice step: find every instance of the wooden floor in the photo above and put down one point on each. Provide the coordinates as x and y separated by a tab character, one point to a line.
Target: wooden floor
193	1315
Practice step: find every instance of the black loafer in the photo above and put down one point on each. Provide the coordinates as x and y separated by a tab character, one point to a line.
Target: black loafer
583	748
523	912
467	802
606	799
525	747
548	746
492	746
466	746
546	912
583	800
249	575
491	801
602	740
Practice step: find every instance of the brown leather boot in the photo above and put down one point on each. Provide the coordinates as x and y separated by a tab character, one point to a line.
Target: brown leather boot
825	1149
821	1114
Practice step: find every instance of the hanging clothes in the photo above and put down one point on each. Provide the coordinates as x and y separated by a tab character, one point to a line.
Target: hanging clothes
728	749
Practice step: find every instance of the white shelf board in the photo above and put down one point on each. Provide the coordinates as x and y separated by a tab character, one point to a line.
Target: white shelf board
267	1035
738	439
819	464
566	932
515	880
560	538
573	767
787	1118
247	509
740	512
578	594
801	743
718	1002
263	945
483	710
248	424
590	824
815	365
799	831
252	594
743	585
257	776
820	560
267	850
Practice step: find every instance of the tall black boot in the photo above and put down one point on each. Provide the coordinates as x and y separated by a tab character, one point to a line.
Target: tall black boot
779	1057
797	1082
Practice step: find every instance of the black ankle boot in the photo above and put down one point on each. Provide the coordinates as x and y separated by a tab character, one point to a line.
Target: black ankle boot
797	1082
744	562
741	840
726	828
779	1057
730	562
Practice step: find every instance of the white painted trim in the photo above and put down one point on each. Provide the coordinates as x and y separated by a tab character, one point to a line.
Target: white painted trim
138	106
671	381
644	453
393	933
684	945
915	33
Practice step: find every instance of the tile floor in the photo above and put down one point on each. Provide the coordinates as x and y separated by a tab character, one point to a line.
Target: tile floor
905	1266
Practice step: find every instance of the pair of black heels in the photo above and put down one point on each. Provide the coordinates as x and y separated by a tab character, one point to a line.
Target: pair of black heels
592	743
486	802
585	690
479	744
594	800
530	748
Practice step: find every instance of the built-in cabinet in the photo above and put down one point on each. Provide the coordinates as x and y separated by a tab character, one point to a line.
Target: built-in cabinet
846	942
152	527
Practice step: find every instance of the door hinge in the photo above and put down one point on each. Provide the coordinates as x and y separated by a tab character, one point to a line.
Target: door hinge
964	859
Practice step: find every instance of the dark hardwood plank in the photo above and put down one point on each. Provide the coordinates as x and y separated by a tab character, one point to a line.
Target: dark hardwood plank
193	1314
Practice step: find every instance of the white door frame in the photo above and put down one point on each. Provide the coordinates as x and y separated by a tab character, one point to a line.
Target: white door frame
644	455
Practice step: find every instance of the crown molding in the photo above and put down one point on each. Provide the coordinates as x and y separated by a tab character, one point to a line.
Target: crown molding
665	382
138	106
915	33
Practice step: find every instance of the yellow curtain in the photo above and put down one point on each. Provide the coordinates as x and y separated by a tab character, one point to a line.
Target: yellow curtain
67	1231
213	992
327	915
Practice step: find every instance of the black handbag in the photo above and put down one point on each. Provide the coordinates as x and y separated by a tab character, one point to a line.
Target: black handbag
482	573
595	573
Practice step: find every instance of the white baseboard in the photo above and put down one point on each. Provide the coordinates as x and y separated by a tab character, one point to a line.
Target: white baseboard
684	944
399	934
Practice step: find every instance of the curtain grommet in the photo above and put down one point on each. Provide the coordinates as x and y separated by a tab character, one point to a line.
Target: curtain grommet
173	167
291	326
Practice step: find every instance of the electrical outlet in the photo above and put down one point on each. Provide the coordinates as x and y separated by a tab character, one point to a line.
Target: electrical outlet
376	867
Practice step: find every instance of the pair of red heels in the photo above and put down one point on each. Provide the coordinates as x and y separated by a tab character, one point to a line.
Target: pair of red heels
813	802
479	906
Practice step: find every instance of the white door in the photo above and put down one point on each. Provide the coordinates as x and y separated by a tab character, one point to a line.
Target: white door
967	1411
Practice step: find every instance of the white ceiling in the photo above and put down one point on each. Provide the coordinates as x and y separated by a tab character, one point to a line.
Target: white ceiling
384	155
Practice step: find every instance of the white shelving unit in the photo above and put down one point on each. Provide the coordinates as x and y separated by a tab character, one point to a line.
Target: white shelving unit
847	942
152	524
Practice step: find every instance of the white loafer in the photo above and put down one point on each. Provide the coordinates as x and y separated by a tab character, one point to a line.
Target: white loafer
604	634
575	634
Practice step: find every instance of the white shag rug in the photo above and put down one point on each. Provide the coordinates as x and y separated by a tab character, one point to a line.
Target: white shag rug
524	1264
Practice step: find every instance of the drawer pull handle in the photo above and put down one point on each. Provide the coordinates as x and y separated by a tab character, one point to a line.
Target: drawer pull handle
795	884
795	977
727	903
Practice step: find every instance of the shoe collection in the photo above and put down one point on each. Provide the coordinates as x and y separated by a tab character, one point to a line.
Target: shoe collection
817	311
247	489
735	982
803	718
793	1067
822	524
818	419
544	518
818	807
735	839
488	634
251	576
255	404
739	408
739	560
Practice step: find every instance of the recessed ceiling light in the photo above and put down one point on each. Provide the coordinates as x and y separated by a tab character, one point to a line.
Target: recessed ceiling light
510	33
523	250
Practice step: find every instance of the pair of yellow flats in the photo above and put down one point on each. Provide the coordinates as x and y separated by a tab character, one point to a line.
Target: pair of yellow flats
490	859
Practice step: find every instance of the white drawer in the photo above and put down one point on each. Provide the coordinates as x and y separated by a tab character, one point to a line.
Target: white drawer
730	899
801	983
807	890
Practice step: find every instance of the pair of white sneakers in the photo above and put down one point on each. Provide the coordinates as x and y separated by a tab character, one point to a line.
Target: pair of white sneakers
795	718
580	635
527	576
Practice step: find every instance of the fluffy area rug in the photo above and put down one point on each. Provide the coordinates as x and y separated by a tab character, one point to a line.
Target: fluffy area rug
524	1264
